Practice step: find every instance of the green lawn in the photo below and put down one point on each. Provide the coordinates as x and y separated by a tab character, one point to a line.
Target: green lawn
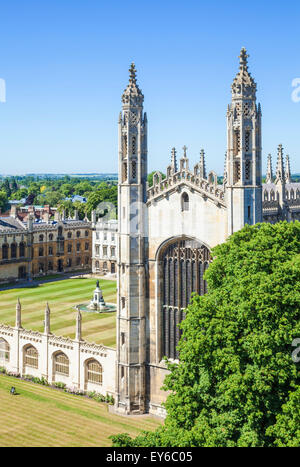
62	296
42	416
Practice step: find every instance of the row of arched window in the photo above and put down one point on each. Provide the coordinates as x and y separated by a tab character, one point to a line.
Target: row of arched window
69	235
13	248
61	363
274	196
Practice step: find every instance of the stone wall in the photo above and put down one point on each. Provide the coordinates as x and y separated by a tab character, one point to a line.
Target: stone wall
78	352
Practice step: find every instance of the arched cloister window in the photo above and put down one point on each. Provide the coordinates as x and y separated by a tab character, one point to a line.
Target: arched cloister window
183	263
5	251
13	250
61	364
4	350
184	202
31	357
41	238
22	249
93	373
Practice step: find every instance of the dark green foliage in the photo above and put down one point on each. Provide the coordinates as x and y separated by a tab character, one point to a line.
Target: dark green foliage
236	384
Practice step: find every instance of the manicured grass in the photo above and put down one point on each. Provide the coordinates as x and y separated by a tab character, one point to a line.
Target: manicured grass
42	416
62	296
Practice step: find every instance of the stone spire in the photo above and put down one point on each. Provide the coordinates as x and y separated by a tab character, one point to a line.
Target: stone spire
280	165
18	314
287	170
132	95
174	160
202	167
184	162
47	319
269	174
78	326
243	84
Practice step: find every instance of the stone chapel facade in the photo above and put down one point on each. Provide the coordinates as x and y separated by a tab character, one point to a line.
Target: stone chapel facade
166	232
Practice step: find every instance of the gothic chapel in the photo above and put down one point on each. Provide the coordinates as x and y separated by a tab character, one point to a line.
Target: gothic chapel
166	232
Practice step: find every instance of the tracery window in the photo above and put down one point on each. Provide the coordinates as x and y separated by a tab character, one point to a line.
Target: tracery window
31	357
236	142
61	364
183	263
4	350
133	169
94	372
248	170
133	145
125	145
247	141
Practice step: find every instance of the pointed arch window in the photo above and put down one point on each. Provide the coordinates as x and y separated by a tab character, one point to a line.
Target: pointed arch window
22	249
183	264
5	251
4	350
185	202
61	364
31	357
13	250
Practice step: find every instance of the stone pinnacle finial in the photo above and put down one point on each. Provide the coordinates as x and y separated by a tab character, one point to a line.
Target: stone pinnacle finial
18	314
269	174
287	170
78	325
243	57
184	151
280	165
132	94
202	164
47	319
132	73
174	160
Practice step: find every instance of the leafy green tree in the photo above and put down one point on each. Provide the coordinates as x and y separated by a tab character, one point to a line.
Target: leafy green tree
286	430
3	200
66	189
82	188
6	187
236	383
14	185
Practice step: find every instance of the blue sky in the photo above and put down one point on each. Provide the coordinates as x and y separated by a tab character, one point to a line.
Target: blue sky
65	64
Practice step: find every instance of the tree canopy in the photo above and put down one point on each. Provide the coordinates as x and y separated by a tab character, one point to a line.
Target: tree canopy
236	383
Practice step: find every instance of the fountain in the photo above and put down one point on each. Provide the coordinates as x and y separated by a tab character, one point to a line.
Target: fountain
97	304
